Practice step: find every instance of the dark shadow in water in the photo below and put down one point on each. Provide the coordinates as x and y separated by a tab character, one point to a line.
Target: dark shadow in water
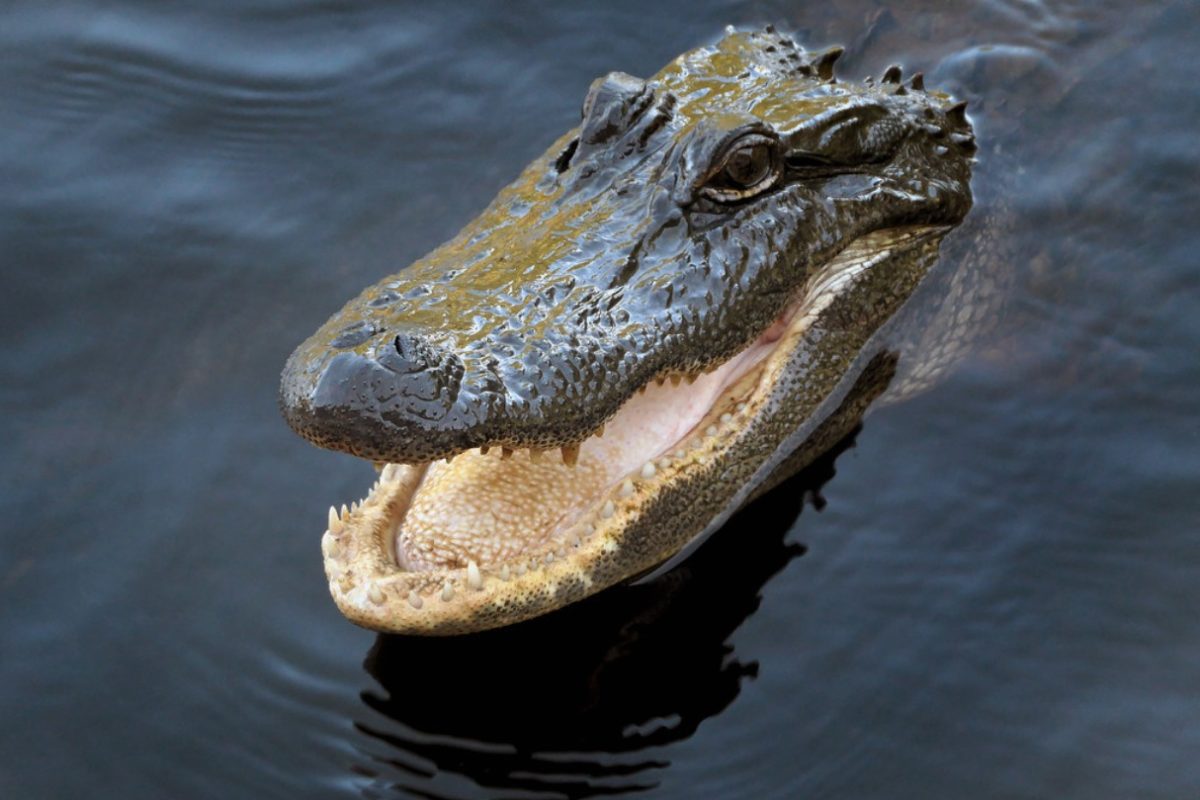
543	707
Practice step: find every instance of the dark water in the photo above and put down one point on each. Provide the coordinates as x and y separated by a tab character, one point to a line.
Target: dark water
999	596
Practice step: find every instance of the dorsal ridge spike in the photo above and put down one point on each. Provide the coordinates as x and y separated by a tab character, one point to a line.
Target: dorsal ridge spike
893	74
823	62
957	114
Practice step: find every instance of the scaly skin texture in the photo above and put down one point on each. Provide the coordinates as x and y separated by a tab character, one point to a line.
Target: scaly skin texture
742	187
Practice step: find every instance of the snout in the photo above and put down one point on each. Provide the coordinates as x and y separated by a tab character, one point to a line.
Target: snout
389	396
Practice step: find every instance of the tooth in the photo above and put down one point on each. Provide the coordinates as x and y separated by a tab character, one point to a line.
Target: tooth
483	451
447	592
379	465
354	507
521	569
726	418
535	455
741	407
375	595
330	546
691	377
450	457
648	470
675	380
660	380
345	512
414	599
335	522
570	454
504	573
627	488
599	431
664	462
388	474
711	430
506	452
608	509
680	454
474	579
562	552
549	559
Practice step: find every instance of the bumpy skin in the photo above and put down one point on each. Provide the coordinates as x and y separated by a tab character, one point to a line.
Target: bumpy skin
608	262
624	254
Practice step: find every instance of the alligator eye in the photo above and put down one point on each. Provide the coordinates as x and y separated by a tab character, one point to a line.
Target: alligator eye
747	166
750	166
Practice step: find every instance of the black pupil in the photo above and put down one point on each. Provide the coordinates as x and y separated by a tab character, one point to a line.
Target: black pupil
749	165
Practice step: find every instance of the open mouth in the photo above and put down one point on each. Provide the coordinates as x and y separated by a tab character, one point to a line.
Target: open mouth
492	535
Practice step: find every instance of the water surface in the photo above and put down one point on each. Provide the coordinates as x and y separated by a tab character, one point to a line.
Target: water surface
992	591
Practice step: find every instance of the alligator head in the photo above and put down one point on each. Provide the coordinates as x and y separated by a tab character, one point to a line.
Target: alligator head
634	337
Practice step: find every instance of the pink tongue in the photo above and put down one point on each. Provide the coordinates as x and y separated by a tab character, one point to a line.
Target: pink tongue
490	510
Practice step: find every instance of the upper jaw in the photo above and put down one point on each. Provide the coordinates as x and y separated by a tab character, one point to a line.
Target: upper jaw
411	398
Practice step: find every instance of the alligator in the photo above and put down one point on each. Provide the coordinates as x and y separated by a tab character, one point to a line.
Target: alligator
668	313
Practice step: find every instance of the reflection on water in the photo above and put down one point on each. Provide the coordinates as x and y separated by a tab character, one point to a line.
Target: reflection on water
995	603
581	703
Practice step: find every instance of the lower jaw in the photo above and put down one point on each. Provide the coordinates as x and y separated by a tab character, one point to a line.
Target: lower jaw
385	581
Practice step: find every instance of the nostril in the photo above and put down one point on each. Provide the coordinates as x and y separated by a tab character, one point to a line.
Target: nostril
428	374
409	354
414	351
